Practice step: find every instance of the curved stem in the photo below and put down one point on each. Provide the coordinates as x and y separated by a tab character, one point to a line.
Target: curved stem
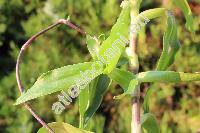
135	122
24	47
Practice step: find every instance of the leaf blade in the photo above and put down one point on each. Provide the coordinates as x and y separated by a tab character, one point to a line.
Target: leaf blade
184	6
114	45
97	89
60	79
149	123
61	127
167	76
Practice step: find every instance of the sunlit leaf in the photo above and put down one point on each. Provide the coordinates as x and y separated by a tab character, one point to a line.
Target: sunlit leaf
153	13
184	6
93	46
171	44
60	127
114	45
149	76
62	79
167	76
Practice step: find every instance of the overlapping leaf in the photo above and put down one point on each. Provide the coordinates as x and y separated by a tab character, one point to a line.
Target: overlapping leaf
97	88
171	46
131	82
122	77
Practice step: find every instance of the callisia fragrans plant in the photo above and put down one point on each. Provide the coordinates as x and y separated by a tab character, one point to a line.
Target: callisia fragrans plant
90	80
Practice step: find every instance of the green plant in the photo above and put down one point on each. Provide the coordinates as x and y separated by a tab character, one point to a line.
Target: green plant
93	88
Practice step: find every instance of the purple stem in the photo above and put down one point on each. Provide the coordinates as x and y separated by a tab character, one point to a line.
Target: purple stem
24	47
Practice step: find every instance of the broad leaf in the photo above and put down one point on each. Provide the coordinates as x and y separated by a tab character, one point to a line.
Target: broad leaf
60	127
114	45
184	6
149	124
63	78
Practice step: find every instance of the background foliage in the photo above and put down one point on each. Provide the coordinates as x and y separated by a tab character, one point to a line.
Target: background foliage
177	106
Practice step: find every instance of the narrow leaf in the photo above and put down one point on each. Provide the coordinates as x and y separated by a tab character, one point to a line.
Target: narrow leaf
60	127
171	44
84	102
167	76
62	78
97	89
184	6
152	13
93	46
132	86
114	45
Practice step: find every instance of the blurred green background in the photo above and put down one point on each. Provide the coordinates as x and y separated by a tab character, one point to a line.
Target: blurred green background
177	106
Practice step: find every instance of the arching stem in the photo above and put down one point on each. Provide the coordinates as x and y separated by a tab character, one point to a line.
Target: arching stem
24	47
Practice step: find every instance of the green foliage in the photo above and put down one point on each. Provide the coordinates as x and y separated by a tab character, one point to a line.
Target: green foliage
59	79
21	19
149	123
97	89
118	76
93	46
171	44
60	127
183	5
113	46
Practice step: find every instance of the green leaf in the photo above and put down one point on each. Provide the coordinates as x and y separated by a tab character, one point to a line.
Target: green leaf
147	97
84	102
63	78
132	86
171	44
102	37
122	77
93	46
60	127
125	79
167	76
97	89
149	123
184	6
152	13
114	45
